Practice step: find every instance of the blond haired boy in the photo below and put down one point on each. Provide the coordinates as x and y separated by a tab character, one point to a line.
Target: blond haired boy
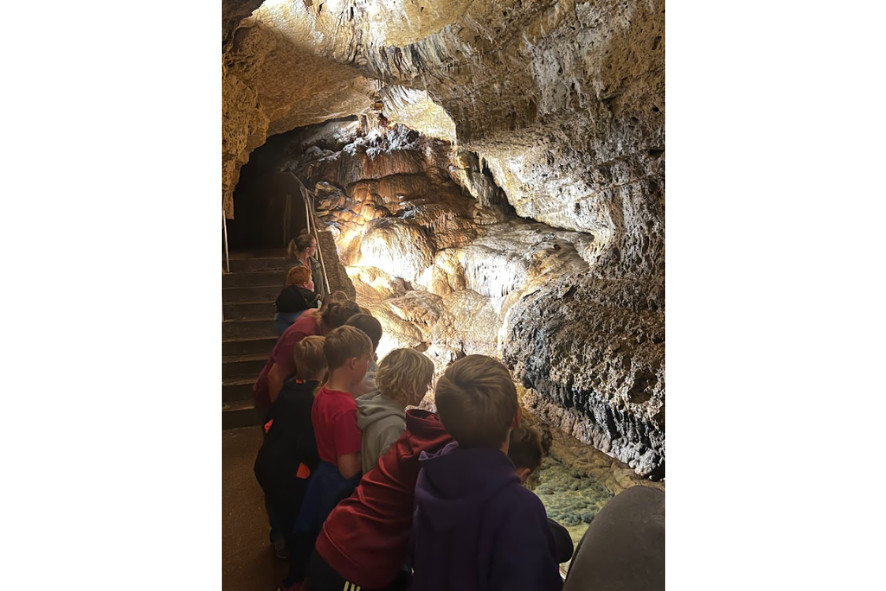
402	380
334	418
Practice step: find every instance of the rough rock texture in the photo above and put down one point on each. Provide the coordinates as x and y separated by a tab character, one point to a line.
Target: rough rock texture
555	114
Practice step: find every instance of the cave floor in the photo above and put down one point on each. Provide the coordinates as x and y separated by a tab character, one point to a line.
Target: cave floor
248	561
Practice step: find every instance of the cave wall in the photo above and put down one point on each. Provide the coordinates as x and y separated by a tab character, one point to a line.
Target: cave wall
556	112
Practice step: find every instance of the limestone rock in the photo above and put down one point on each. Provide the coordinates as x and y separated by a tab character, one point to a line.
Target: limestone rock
505	158
398	247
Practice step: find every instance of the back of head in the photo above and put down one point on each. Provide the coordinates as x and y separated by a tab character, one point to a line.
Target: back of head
368	324
299	244
335	314
310	360
525	448
343	343
477	401
404	375
298	276
337	296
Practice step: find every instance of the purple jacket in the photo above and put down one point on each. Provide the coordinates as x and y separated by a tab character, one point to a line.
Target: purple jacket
477	528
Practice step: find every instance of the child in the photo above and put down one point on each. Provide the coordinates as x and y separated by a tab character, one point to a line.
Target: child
295	298
402	380
334	417
372	327
525	451
364	541
289	453
476	527
280	365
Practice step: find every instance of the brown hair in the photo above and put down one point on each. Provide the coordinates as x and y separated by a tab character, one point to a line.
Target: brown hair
336	313
477	401
368	324
336	296
298	276
343	343
310	360
404	373
525	448
300	243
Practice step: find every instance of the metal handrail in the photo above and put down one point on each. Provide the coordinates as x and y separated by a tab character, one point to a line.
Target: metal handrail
310	214
225	233
309	202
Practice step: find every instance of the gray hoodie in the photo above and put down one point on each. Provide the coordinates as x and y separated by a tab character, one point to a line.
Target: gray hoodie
382	422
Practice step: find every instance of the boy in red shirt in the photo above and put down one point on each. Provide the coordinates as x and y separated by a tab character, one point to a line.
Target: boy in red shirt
334	416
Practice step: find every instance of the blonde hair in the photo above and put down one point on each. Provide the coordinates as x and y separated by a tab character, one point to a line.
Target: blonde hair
477	401
298	276
310	361
343	343
404	374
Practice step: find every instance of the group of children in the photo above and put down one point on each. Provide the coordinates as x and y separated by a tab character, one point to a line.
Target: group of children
363	492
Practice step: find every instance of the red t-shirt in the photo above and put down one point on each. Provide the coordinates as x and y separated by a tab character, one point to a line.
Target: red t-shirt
305	325
334	416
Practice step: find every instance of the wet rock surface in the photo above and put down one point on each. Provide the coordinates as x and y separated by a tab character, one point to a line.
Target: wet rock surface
576	481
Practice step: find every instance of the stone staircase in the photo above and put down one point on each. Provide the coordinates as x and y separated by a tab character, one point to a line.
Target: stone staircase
248	334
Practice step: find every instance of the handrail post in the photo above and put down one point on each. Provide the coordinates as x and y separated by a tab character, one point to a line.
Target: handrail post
225	234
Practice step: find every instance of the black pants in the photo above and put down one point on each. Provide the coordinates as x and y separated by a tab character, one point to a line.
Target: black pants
322	577
282	504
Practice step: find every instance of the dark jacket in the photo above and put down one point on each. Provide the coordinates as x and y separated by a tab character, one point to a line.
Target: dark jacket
477	528
294	298
290	441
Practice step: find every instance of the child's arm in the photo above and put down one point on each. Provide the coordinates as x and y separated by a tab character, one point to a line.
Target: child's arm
349	465
348	442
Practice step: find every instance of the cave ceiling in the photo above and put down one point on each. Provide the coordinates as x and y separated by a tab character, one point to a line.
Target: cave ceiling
564	100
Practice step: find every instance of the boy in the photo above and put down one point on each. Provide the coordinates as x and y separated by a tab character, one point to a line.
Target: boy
289	453
476	527
525	451
372	327
402	380
334	417
364	541
280	365
295	298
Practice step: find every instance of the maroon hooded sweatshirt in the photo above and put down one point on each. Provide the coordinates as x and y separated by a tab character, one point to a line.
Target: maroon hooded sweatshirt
366	537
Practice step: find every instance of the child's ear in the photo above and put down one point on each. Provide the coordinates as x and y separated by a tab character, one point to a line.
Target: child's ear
523	473
518	417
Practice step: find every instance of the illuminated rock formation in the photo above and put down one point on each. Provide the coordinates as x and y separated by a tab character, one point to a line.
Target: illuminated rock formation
501	190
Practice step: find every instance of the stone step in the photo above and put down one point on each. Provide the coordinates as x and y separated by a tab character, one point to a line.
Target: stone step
239	414
237	389
253	310
261	265
260	293
248	346
243	366
256	279
248	329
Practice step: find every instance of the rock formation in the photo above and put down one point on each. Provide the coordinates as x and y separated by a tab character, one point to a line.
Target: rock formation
496	185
